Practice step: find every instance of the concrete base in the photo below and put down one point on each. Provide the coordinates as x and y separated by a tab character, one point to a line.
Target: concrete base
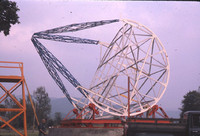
85	132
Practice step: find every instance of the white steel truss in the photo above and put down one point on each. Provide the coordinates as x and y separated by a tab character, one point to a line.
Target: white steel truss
135	52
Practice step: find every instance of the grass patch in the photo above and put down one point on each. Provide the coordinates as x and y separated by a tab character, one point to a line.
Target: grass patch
4	132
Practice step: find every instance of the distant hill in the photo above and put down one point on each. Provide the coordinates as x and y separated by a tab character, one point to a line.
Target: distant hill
173	113
64	106
61	105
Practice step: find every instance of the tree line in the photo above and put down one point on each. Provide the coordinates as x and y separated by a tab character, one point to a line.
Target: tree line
42	105
190	102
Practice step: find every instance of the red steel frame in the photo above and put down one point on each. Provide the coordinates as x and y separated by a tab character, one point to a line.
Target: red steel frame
78	122
109	123
155	111
18	81
88	123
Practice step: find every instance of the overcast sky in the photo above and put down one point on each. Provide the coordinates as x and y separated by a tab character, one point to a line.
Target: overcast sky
175	23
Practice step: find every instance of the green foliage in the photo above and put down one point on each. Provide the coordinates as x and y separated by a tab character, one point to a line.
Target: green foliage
57	118
2	113
190	102
29	113
50	122
43	106
8	15
43	109
18	122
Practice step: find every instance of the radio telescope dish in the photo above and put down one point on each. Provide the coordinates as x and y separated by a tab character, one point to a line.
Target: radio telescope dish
131	77
137	53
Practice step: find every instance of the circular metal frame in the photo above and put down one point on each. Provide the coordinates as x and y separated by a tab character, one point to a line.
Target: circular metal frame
135	53
131	77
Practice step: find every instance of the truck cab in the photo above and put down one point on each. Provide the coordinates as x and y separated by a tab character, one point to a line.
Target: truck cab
193	122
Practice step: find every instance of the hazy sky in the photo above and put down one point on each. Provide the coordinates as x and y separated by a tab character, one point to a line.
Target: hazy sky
175	23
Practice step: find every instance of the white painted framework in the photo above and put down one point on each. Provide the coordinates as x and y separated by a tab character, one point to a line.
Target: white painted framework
134	52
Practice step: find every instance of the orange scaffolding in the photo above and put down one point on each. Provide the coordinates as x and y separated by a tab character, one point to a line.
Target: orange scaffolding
15	81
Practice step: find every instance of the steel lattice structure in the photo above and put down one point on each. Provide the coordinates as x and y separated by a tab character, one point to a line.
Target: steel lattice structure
135	53
9	84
